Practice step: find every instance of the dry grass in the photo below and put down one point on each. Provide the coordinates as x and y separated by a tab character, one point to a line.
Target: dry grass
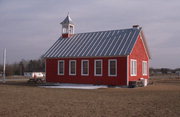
160	99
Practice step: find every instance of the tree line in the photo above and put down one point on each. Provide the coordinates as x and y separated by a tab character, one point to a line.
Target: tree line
154	71
24	66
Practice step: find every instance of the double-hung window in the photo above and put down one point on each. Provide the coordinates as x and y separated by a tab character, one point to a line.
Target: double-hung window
72	67
98	67
144	68
133	67
112	67
61	67
85	67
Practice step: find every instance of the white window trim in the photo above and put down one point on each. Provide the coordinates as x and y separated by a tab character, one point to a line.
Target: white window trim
109	67
133	74
70	67
71	31
95	67
63	67
143	70
82	68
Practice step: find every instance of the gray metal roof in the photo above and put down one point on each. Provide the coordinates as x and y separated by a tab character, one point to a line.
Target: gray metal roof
95	44
67	20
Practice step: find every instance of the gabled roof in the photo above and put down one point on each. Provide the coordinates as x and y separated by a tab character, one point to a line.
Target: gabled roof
95	44
67	20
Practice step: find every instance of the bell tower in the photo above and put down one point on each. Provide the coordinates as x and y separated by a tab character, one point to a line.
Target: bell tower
67	27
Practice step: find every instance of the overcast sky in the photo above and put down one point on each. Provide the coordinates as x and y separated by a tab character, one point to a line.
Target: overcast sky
29	27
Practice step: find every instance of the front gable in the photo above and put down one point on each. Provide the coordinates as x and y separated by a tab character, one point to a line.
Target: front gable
140	49
139	53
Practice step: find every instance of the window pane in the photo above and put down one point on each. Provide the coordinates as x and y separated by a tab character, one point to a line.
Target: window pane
85	67
64	30
71	29
112	67
112	71
98	64
112	63
98	67
85	71
133	67
144	68
84	64
73	67
61	67
98	70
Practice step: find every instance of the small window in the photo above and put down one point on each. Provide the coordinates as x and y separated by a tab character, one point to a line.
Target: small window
64	30
98	68
85	67
133	67
61	67
144	68
71	31
72	67
112	67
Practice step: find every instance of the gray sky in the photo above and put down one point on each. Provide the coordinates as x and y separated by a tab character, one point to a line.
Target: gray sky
29	27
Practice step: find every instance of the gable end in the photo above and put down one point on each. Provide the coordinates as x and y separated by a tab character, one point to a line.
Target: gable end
142	37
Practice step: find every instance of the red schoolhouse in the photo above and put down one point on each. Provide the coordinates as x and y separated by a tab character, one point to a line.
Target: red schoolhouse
113	57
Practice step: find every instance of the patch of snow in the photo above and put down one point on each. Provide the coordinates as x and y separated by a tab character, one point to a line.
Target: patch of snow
74	86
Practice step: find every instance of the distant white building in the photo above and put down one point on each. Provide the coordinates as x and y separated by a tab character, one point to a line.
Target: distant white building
34	74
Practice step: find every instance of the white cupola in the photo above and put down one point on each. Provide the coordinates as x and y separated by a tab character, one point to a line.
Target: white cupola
67	27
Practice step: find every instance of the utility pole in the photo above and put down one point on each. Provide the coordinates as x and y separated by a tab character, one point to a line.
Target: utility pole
4	66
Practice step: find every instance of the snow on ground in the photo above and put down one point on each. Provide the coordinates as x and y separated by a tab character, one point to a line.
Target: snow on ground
74	86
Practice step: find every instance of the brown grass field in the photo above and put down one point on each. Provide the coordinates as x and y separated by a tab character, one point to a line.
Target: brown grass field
162	99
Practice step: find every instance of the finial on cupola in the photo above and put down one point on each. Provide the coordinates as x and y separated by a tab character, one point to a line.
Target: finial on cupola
67	27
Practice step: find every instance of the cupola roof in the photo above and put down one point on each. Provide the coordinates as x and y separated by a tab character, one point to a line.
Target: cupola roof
67	20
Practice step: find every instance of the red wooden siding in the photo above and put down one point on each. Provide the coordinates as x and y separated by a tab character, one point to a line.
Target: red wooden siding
67	35
138	53
120	79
